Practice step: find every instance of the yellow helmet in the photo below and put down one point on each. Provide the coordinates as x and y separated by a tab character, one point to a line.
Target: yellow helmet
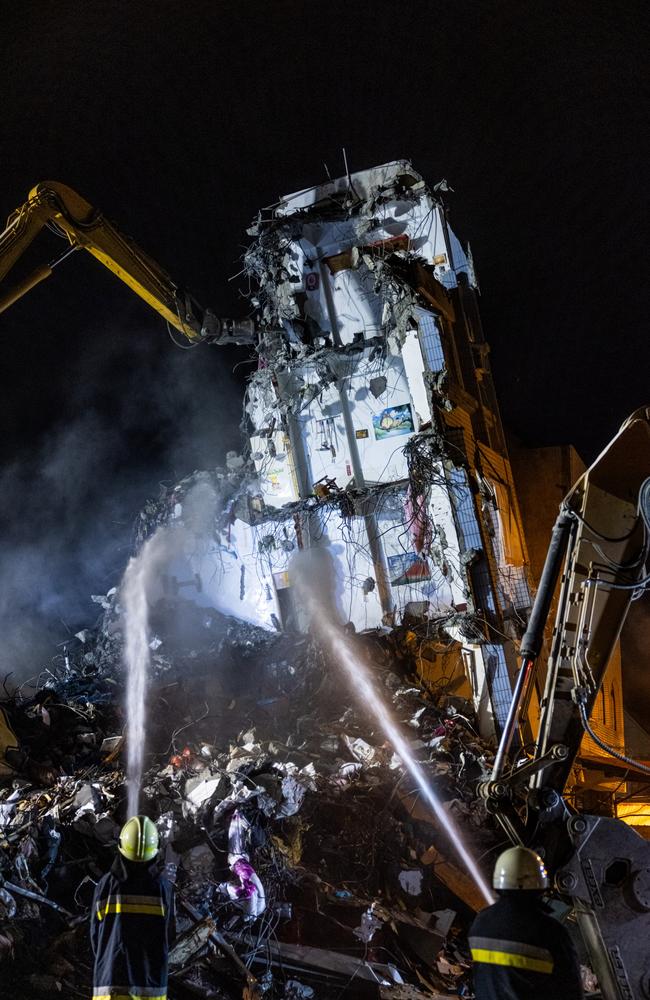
519	868
138	839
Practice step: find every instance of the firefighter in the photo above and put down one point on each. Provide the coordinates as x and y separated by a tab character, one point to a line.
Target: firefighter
132	920
519	951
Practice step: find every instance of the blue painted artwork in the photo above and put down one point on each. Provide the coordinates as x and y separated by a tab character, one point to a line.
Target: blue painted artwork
392	421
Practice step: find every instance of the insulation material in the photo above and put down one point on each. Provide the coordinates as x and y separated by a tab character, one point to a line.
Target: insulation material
261	402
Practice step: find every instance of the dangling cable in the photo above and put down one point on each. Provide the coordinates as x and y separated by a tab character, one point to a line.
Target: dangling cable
605	746
177	343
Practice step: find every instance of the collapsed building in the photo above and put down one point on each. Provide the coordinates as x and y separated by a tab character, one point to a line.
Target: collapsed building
372	439
375	434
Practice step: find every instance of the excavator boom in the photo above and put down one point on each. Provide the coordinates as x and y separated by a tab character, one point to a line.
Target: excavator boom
59	208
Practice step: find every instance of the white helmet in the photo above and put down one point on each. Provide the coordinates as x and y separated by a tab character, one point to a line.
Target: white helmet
519	868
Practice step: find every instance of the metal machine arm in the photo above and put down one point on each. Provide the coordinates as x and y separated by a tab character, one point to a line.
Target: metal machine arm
602	536
70	216
602	541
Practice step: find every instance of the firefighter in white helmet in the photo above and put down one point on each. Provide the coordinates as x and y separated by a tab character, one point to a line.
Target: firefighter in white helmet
132	919
519	951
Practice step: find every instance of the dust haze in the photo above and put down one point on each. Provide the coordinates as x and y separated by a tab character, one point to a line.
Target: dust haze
70	503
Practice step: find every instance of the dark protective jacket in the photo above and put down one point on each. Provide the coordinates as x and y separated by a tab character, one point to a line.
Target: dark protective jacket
131	928
520	952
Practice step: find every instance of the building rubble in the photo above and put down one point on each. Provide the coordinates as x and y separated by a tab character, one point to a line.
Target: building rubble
306	864
290	828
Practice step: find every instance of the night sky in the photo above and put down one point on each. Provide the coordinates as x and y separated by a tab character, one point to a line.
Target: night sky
181	119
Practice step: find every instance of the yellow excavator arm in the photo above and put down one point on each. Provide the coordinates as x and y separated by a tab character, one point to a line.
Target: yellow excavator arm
62	210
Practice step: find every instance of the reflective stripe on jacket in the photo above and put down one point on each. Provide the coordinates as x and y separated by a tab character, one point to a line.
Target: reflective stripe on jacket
132	924
120	903
127	993
516	954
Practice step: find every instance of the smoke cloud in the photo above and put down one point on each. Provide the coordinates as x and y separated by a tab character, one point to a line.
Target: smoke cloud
312	574
137	412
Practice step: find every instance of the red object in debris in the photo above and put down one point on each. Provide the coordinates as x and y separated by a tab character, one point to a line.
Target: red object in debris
445	727
417	519
179	759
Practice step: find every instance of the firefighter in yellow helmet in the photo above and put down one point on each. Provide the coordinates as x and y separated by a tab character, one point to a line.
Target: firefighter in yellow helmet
519	951
132	920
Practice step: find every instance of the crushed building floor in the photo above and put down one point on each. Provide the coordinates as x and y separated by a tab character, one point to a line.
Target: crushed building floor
256	750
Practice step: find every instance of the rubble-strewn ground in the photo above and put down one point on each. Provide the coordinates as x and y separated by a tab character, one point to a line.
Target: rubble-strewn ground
361	888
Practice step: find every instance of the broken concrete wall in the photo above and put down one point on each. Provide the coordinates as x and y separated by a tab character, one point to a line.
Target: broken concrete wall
373	431
373	341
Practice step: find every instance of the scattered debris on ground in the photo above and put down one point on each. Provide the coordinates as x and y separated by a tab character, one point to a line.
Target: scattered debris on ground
304	862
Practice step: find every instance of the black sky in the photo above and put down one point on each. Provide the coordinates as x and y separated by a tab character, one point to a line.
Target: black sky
181	119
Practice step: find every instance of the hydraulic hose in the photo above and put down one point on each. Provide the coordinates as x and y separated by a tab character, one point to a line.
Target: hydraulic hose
531	644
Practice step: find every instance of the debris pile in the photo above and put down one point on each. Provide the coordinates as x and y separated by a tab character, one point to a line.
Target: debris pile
305	861
305	864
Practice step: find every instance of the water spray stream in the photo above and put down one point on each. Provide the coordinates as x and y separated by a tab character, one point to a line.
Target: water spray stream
137	658
138	578
361	683
166	544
